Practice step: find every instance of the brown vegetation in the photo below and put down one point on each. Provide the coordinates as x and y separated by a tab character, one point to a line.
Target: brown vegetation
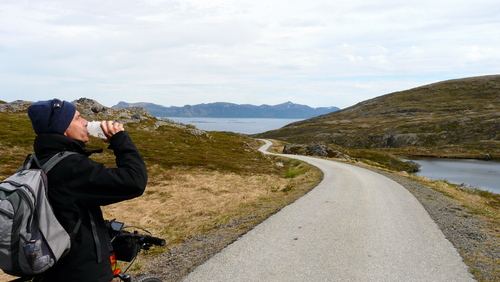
455	118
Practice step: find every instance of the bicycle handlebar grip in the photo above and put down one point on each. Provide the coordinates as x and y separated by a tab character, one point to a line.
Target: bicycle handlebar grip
155	241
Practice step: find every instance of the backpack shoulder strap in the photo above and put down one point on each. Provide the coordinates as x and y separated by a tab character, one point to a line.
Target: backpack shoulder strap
26	163
53	161
47	167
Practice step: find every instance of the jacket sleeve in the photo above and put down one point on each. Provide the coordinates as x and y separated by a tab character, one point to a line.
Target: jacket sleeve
94	183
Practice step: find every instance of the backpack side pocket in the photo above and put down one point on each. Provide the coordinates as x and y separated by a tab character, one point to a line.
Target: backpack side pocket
6	225
35	256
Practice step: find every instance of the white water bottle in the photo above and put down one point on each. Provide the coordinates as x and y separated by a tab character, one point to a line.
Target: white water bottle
94	129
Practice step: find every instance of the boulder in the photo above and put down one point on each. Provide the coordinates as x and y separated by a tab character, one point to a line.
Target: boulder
93	110
319	150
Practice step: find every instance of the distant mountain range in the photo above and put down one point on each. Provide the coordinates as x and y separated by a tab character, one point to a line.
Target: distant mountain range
229	110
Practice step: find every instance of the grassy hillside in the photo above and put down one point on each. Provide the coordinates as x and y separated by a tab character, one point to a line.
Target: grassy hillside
198	181
455	118
168	145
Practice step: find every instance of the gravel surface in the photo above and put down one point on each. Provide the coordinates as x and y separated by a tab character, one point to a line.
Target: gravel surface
468	234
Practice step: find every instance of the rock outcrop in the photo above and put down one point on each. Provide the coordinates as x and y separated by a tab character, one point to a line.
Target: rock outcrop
15	106
314	150
92	109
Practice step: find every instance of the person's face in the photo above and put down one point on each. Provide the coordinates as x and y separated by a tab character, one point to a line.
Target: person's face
78	128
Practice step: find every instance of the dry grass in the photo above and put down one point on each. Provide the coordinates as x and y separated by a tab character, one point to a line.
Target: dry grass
5	277
482	203
181	204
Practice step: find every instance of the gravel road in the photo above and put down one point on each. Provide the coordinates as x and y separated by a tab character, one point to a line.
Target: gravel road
356	225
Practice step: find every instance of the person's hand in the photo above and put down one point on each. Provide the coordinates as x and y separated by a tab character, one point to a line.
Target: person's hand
110	128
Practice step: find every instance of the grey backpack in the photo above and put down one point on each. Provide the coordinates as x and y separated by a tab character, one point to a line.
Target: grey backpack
31	238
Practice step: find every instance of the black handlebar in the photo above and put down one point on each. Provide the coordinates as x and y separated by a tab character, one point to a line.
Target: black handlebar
142	238
154	240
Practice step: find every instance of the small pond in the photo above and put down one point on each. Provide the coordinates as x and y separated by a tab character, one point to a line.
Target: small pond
484	175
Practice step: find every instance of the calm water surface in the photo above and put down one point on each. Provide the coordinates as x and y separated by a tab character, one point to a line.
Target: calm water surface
484	175
238	125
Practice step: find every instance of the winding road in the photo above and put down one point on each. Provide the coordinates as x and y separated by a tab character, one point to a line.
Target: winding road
356	225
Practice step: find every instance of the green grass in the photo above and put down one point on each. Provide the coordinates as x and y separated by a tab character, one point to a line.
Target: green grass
382	159
294	173
16	141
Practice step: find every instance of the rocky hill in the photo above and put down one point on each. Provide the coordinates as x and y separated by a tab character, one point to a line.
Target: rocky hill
91	109
457	117
229	110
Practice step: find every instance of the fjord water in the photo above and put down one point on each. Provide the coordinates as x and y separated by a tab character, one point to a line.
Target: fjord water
238	125
484	175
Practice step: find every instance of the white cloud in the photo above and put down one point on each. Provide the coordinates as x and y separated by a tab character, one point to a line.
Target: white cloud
260	52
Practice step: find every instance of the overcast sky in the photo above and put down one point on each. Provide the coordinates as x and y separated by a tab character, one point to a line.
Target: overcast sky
173	53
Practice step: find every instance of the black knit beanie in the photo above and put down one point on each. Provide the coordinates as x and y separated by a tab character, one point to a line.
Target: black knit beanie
52	116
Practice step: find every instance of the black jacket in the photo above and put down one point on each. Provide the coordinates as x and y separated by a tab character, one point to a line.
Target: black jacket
78	186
